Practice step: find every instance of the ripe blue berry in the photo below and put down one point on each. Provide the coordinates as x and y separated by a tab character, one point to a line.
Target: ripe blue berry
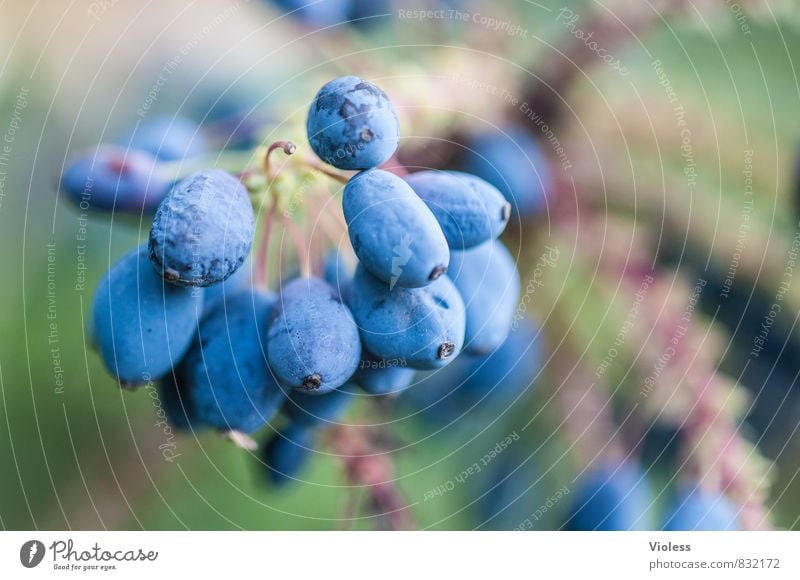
698	510
487	278
287	452
312	410
514	163
313	342
226	370
392	231
469	210
110	177
203	230
168	138
424	326
142	326
615	497
381	377
352	124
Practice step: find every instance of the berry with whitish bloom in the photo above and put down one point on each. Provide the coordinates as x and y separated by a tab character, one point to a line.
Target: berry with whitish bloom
513	161
469	210
488	280
142	326
226	372
110	177
424	326
352	124
168	138
313	341
392	231
203	230
699	510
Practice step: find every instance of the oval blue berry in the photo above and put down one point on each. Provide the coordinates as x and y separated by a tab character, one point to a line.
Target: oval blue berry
203	230
226	372
352	124
142	326
392	231
488	280
469	210
313	342
424	326
110	177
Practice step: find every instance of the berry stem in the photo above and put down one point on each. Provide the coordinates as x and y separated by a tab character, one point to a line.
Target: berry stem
317	166
288	147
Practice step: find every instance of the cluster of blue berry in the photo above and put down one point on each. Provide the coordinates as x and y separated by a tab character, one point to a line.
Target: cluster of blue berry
431	281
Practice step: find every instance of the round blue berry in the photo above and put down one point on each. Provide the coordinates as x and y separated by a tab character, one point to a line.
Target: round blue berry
226	369
352	124
203	230
142	326
423	326
313	342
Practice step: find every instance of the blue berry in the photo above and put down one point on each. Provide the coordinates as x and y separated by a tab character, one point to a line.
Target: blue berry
313	341
381	377
469	210
203	230
226	370
312	410
614	497
110	177
424	326
168	138
286	453
392	231
352	124
487	278
142	326
514	163
316	12
697	510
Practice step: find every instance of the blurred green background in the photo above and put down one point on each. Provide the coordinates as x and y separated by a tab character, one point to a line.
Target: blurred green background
78	453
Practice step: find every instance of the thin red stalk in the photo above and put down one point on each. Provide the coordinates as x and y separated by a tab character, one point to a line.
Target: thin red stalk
263	249
300	246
